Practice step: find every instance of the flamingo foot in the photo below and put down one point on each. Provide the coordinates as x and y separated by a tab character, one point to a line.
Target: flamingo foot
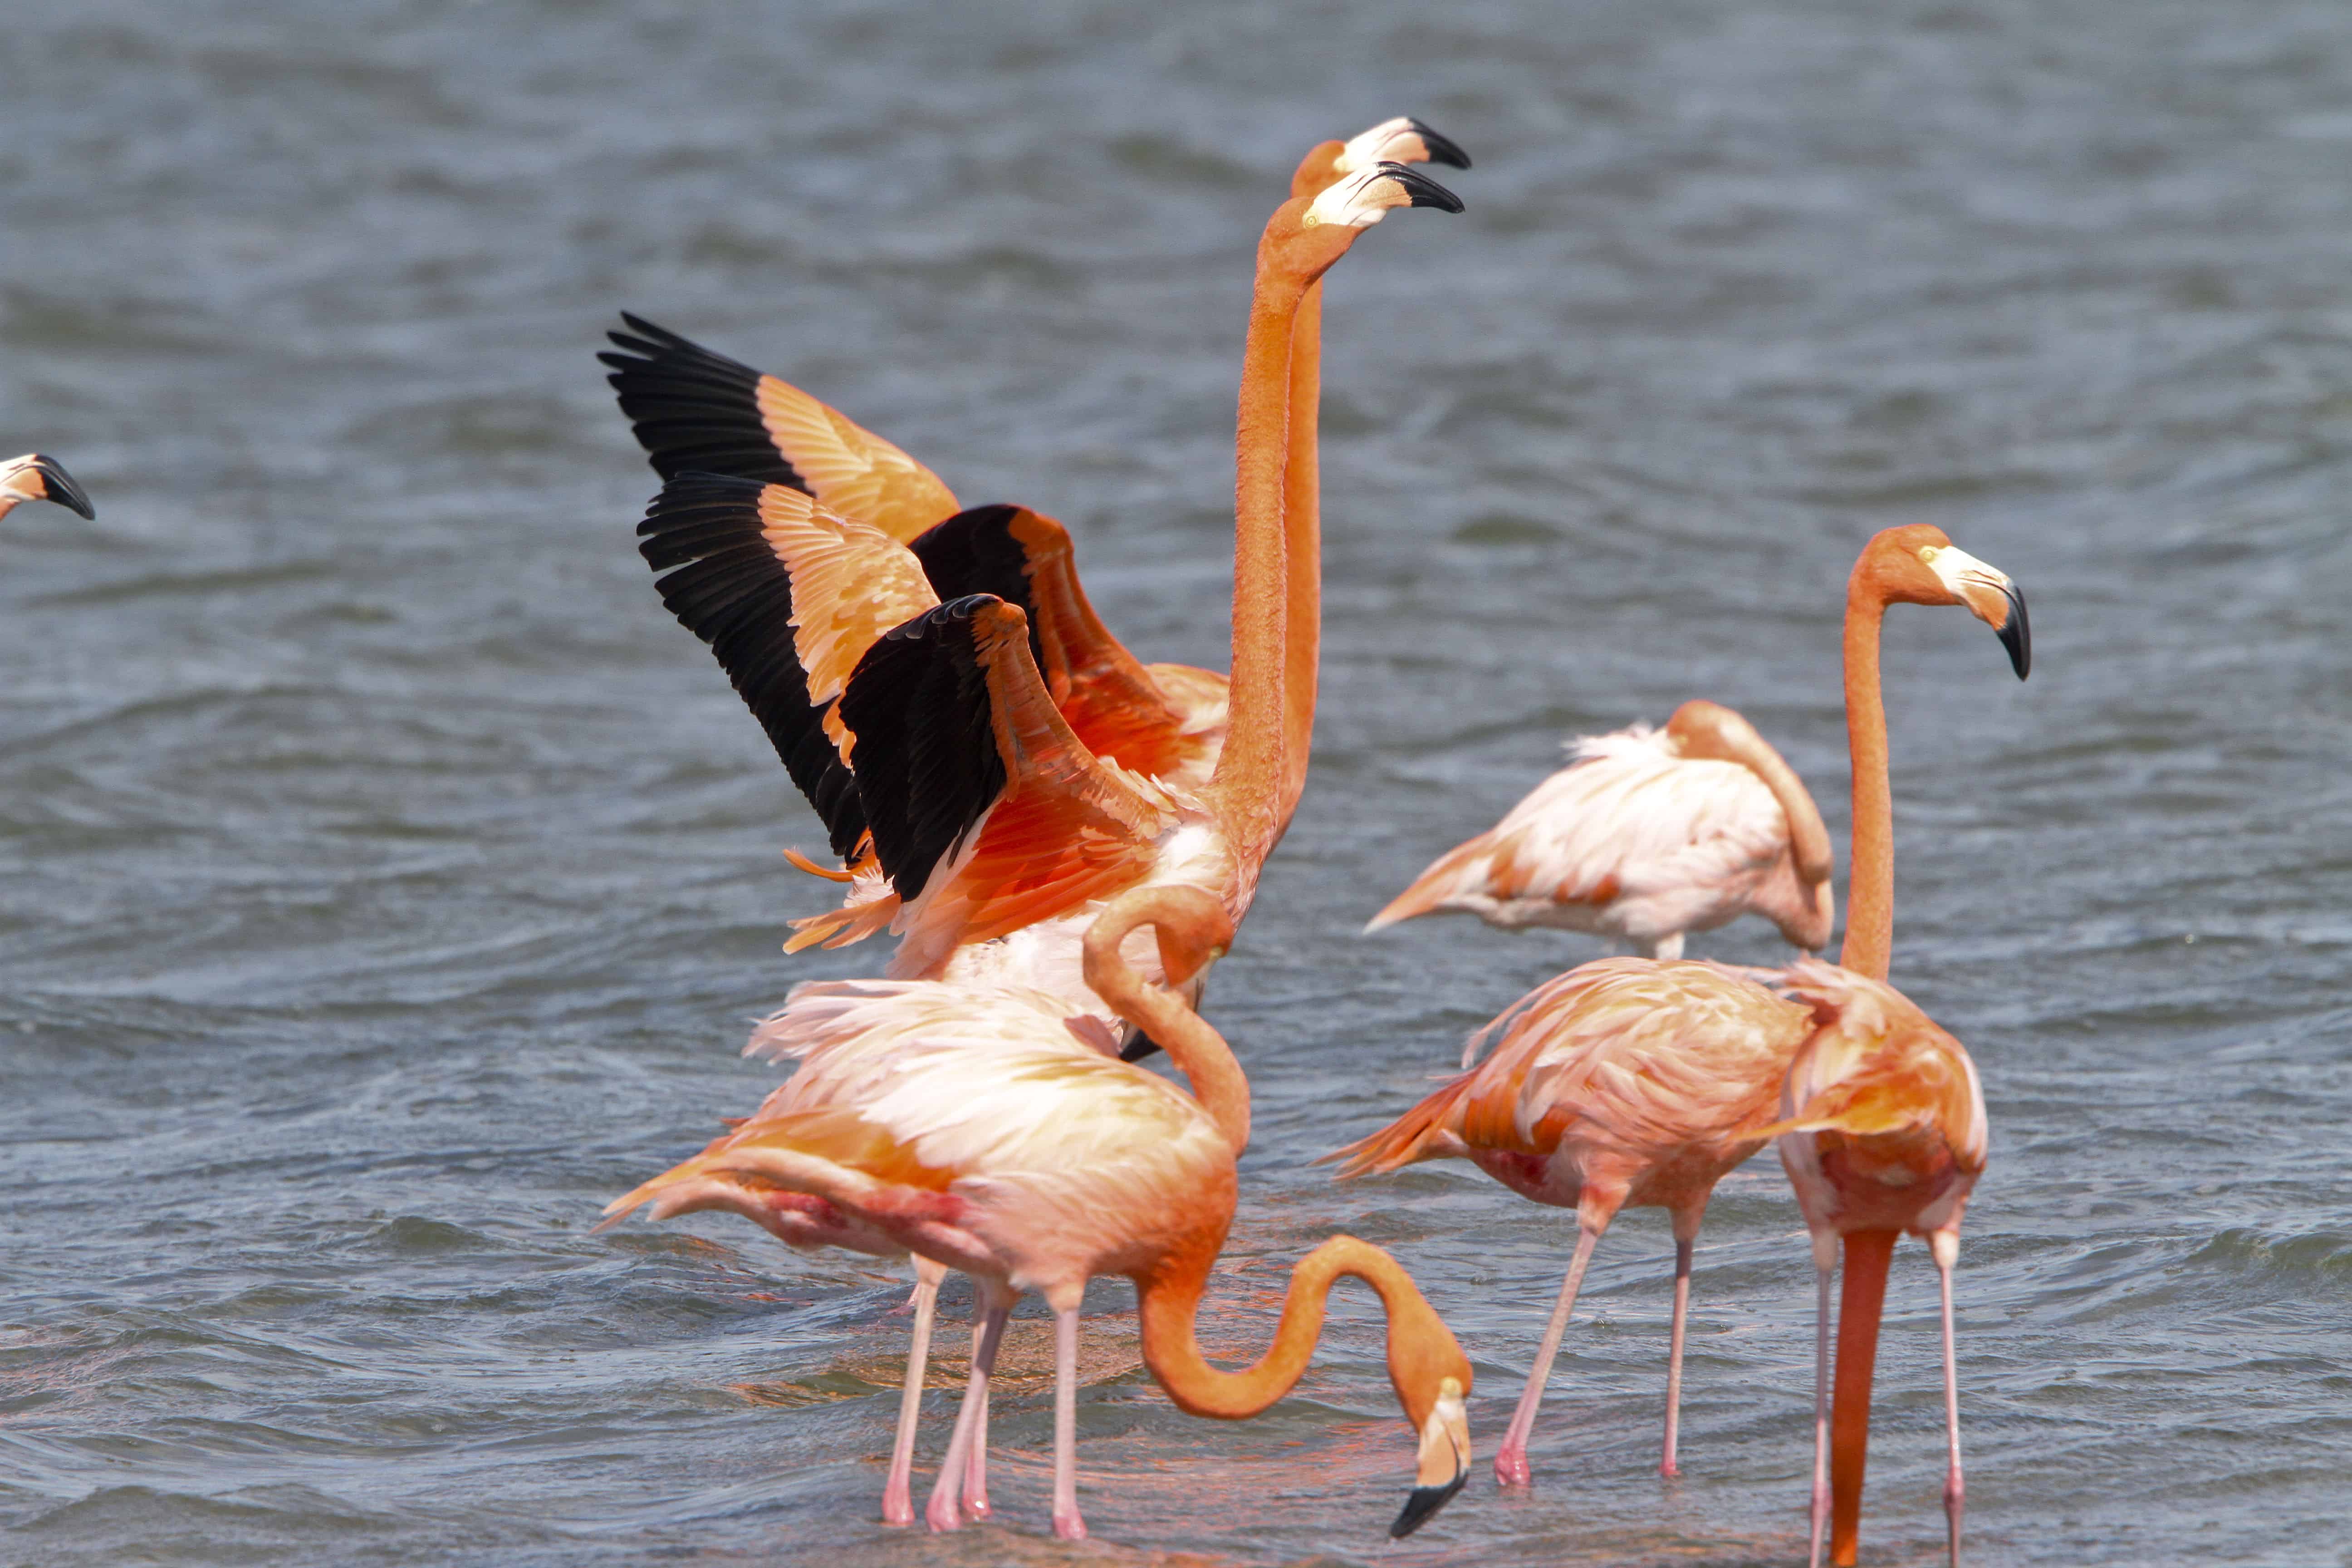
898	1506
1668	1470
1069	1527
1956	1502
976	1507
1511	1468
942	1515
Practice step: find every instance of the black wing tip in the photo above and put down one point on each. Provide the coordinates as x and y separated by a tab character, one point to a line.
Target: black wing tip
1424	191
2016	633
1423	1504
1442	149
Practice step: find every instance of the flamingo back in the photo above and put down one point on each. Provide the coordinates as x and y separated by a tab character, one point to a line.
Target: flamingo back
1882	1121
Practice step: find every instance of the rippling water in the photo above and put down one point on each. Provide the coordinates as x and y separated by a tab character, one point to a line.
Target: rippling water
385	881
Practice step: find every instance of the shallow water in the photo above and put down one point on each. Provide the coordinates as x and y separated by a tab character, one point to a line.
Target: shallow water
385	880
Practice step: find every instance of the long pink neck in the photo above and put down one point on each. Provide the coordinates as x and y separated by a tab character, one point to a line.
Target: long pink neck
1188	921
1870	891
1420	1348
1247	787
1302	536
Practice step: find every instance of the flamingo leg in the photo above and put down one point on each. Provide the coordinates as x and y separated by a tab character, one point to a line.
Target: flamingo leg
1684	1247
1946	1245
940	1512
1067	1525
1825	1269
975	1476
898	1494
1511	1459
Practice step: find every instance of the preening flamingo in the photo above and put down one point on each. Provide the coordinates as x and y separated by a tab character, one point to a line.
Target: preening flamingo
34	477
1882	1122
697	412
981	1128
1636	1081
1647	834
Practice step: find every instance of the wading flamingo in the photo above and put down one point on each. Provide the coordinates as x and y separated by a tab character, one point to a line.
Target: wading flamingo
1635	1081
979	1127
1646	835
34	477
697	412
995	830
962	755
1882	1121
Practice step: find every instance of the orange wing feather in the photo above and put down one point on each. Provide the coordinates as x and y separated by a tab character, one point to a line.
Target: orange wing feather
852	470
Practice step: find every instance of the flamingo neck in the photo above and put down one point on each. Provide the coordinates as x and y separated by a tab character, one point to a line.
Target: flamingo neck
1247	785
1870	887
1302	539
1169	1299
1862	1299
1199	1052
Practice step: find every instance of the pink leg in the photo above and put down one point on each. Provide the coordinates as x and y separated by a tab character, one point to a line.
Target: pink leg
975	1476
1067	1525
1822	1272
1946	1247
898	1495
996	1305
1511	1459
1683	1249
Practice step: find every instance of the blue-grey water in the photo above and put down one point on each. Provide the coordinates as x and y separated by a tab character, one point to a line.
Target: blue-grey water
386	882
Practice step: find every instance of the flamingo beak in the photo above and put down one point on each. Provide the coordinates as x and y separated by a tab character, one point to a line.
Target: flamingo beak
2014	634
1403	139
35	476
1444	1466
1424	191
1990	596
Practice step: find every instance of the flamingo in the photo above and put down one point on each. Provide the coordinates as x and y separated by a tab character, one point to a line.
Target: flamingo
1882	1125
1647	834
996	831
697	412
34	477
963	760
981	1128
1634	1081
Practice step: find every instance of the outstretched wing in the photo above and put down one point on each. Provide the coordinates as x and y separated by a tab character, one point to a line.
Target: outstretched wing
727	584
988	812
1024	557
694	410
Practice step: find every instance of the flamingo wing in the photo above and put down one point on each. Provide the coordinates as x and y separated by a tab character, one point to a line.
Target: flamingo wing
1024	557
988	812
727	584
694	410
1628	820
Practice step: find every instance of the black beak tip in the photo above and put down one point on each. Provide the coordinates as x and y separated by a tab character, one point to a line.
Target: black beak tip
1421	1506
1424	191
61	487
1441	148
2016	635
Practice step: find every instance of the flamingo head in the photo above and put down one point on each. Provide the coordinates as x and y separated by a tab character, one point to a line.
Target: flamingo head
1918	565
34	477
1403	140
1443	1466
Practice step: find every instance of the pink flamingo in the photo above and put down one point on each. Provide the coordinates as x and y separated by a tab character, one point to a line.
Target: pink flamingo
34	477
700	414
1642	1082
981	1128
1883	1122
1646	835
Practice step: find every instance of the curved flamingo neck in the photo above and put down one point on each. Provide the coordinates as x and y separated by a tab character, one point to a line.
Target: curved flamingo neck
1247	785
1419	1349
1193	928
1870	888
1302	539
